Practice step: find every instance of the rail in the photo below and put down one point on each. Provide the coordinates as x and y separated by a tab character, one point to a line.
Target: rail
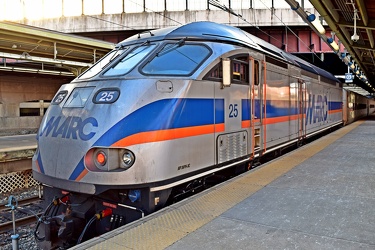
25	215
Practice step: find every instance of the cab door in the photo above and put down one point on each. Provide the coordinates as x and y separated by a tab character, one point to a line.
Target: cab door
232	141
258	108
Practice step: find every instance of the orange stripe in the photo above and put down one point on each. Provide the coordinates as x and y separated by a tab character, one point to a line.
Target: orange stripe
334	111
37	164
281	119
245	124
170	134
82	174
219	127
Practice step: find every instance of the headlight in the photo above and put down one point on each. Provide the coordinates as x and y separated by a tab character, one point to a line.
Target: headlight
109	159
128	159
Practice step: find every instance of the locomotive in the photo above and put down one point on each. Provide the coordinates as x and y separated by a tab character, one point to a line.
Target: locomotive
161	114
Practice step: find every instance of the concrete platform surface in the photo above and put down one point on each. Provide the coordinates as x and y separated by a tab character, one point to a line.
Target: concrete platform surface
321	196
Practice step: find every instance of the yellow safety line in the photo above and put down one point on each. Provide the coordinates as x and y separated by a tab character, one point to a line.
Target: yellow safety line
162	229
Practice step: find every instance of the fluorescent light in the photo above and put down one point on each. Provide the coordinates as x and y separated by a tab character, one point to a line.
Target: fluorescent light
333	44
315	21
351	65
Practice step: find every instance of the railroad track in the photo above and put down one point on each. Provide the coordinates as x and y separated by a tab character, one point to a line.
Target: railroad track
8	226
22	202
23	214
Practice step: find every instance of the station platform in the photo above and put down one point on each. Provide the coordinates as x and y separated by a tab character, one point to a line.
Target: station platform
17	142
14	152
320	196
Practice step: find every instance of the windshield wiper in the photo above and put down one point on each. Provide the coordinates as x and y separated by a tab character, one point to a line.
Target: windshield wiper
131	56
171	48
115	52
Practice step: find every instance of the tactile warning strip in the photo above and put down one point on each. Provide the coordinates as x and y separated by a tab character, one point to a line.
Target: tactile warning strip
167	226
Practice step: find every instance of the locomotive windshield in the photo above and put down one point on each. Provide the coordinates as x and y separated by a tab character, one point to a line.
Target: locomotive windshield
129	61
172	59
103	62
177	59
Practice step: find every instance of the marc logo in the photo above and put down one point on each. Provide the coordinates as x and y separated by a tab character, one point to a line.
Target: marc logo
317	110
73	127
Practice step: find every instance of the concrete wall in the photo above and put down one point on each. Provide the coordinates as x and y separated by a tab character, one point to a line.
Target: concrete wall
19	125
19	88
155	20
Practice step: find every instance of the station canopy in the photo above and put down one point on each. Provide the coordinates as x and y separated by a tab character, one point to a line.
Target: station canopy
353	22
30	49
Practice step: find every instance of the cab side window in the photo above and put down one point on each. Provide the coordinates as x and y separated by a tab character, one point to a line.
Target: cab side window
256	72
240	68
216	74
240	71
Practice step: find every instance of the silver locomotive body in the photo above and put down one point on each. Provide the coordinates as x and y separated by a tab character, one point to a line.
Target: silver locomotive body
162	112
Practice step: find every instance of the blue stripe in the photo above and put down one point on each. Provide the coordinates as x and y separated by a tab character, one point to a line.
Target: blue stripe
40	163
77	171
166	114
219	111
335	105
279	108
245	109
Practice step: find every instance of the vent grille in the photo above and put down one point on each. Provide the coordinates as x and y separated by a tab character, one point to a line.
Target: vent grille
231	146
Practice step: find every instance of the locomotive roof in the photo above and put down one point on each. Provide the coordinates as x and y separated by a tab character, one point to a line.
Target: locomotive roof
210	31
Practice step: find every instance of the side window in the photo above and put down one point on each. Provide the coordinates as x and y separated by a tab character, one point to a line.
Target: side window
256	72
240	67
216	74
240	71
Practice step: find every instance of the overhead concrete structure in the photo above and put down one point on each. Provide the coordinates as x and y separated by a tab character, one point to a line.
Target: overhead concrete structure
156	20
103	15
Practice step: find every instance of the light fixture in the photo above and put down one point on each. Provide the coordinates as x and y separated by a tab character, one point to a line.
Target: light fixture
315	21
351	65
356	71
333	44
355	37
346	60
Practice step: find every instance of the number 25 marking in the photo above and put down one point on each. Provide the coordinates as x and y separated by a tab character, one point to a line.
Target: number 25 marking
106	96
233	111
